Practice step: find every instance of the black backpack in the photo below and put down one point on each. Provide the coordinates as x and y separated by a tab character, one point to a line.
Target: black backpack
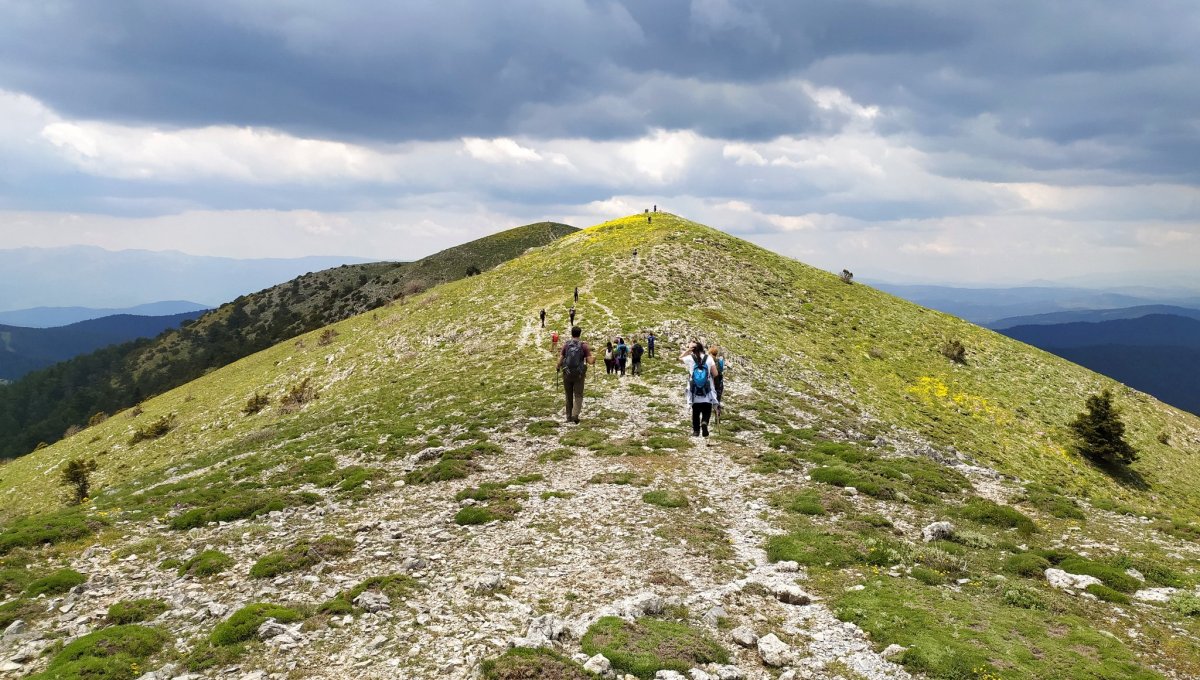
637	352
573	358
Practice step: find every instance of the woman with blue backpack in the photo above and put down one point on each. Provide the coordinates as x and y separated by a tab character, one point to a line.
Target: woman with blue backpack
701	390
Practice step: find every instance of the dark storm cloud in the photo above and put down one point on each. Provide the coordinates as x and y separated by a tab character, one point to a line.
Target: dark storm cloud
1087	84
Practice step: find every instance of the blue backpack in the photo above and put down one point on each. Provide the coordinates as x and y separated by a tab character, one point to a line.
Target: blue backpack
699	385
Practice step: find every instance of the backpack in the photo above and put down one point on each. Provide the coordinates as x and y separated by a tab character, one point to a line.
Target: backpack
699	384
573	357
622	350
608	355
637	352
721	367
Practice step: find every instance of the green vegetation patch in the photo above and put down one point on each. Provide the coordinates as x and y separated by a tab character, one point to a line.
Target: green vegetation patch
240	504
301	555
115	653
55	584
48	528
958	635
396	586
1108	594
453	464
1186	604
584	438
646	646
806	502
1053	503
1113	577
666	499
1030	565
618	478
206	563
813	547
986	511
521	663
135	611
556	455
242	625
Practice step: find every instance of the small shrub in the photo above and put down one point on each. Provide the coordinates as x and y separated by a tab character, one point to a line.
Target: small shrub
256	403
76	476
207	563
297	395
804	502
135	611
1108	594
666	499
49	528
973	539
645	646
395	586
1100	434
301	555
71	431
482	514
1023	597
521	663
1186	604
97	418
986	511
326	337
1058	506
55	584
619	478
242	625
928	576
846	276
107	654
937	558
1027	564
954	350
556	455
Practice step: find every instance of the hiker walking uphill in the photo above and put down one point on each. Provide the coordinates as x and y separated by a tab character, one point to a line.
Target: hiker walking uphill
701	392
719	374
577	293
650	344
553	341
622	355
543	317
636	355
576	356
572	314
610	364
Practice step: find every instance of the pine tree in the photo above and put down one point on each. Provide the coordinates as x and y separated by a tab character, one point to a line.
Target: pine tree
76	475
1100	434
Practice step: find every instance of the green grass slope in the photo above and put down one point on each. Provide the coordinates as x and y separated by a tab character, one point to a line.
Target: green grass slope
45	404
842	383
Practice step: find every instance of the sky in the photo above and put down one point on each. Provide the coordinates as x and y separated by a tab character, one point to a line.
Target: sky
926	140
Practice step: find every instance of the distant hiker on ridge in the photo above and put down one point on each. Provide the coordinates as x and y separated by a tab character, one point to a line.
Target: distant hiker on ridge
543	316
573	363
650	344
636	355
572	315
701	392
655	207
577	293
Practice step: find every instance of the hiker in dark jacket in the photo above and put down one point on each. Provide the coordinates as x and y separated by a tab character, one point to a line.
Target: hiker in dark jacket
572	315
576	356
543	317
718	375
650	344
636	355
622	354
701	392
577	293
610	363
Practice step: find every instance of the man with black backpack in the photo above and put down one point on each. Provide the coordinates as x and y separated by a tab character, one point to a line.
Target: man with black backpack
701	392
636	355
576	356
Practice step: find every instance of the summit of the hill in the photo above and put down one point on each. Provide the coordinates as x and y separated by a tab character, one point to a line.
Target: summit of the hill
398	494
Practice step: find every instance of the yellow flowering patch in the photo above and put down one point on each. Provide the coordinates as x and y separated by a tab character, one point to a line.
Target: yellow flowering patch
933	392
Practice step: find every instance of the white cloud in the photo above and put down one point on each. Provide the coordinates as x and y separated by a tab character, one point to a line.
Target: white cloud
499	150
663	156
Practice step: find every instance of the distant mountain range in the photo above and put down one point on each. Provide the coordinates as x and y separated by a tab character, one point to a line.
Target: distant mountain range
1156	353
87	276
988	305
1094	315
23	350
50	317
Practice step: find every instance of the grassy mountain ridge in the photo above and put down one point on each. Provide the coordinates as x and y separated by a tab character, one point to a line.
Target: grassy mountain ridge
45	404
418	419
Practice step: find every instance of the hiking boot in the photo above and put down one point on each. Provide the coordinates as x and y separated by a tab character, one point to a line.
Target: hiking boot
704	430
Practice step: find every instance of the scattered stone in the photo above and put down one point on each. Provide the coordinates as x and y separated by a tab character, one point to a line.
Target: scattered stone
598	664
892	650
669	675
730	673
548	626
713	615
373	601
488	584
1154	594
697	674
744	636
1065	581
787	566
271	628
937	531
17	627
1135	574
850	491
790	594
773	651
9	666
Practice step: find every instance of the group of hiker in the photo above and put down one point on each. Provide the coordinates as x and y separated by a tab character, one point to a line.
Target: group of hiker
705	385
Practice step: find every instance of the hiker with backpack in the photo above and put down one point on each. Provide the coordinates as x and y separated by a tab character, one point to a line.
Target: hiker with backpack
701	392
622	355
636	355
650	344
573	363
543	316
610	365
572	315
719	374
